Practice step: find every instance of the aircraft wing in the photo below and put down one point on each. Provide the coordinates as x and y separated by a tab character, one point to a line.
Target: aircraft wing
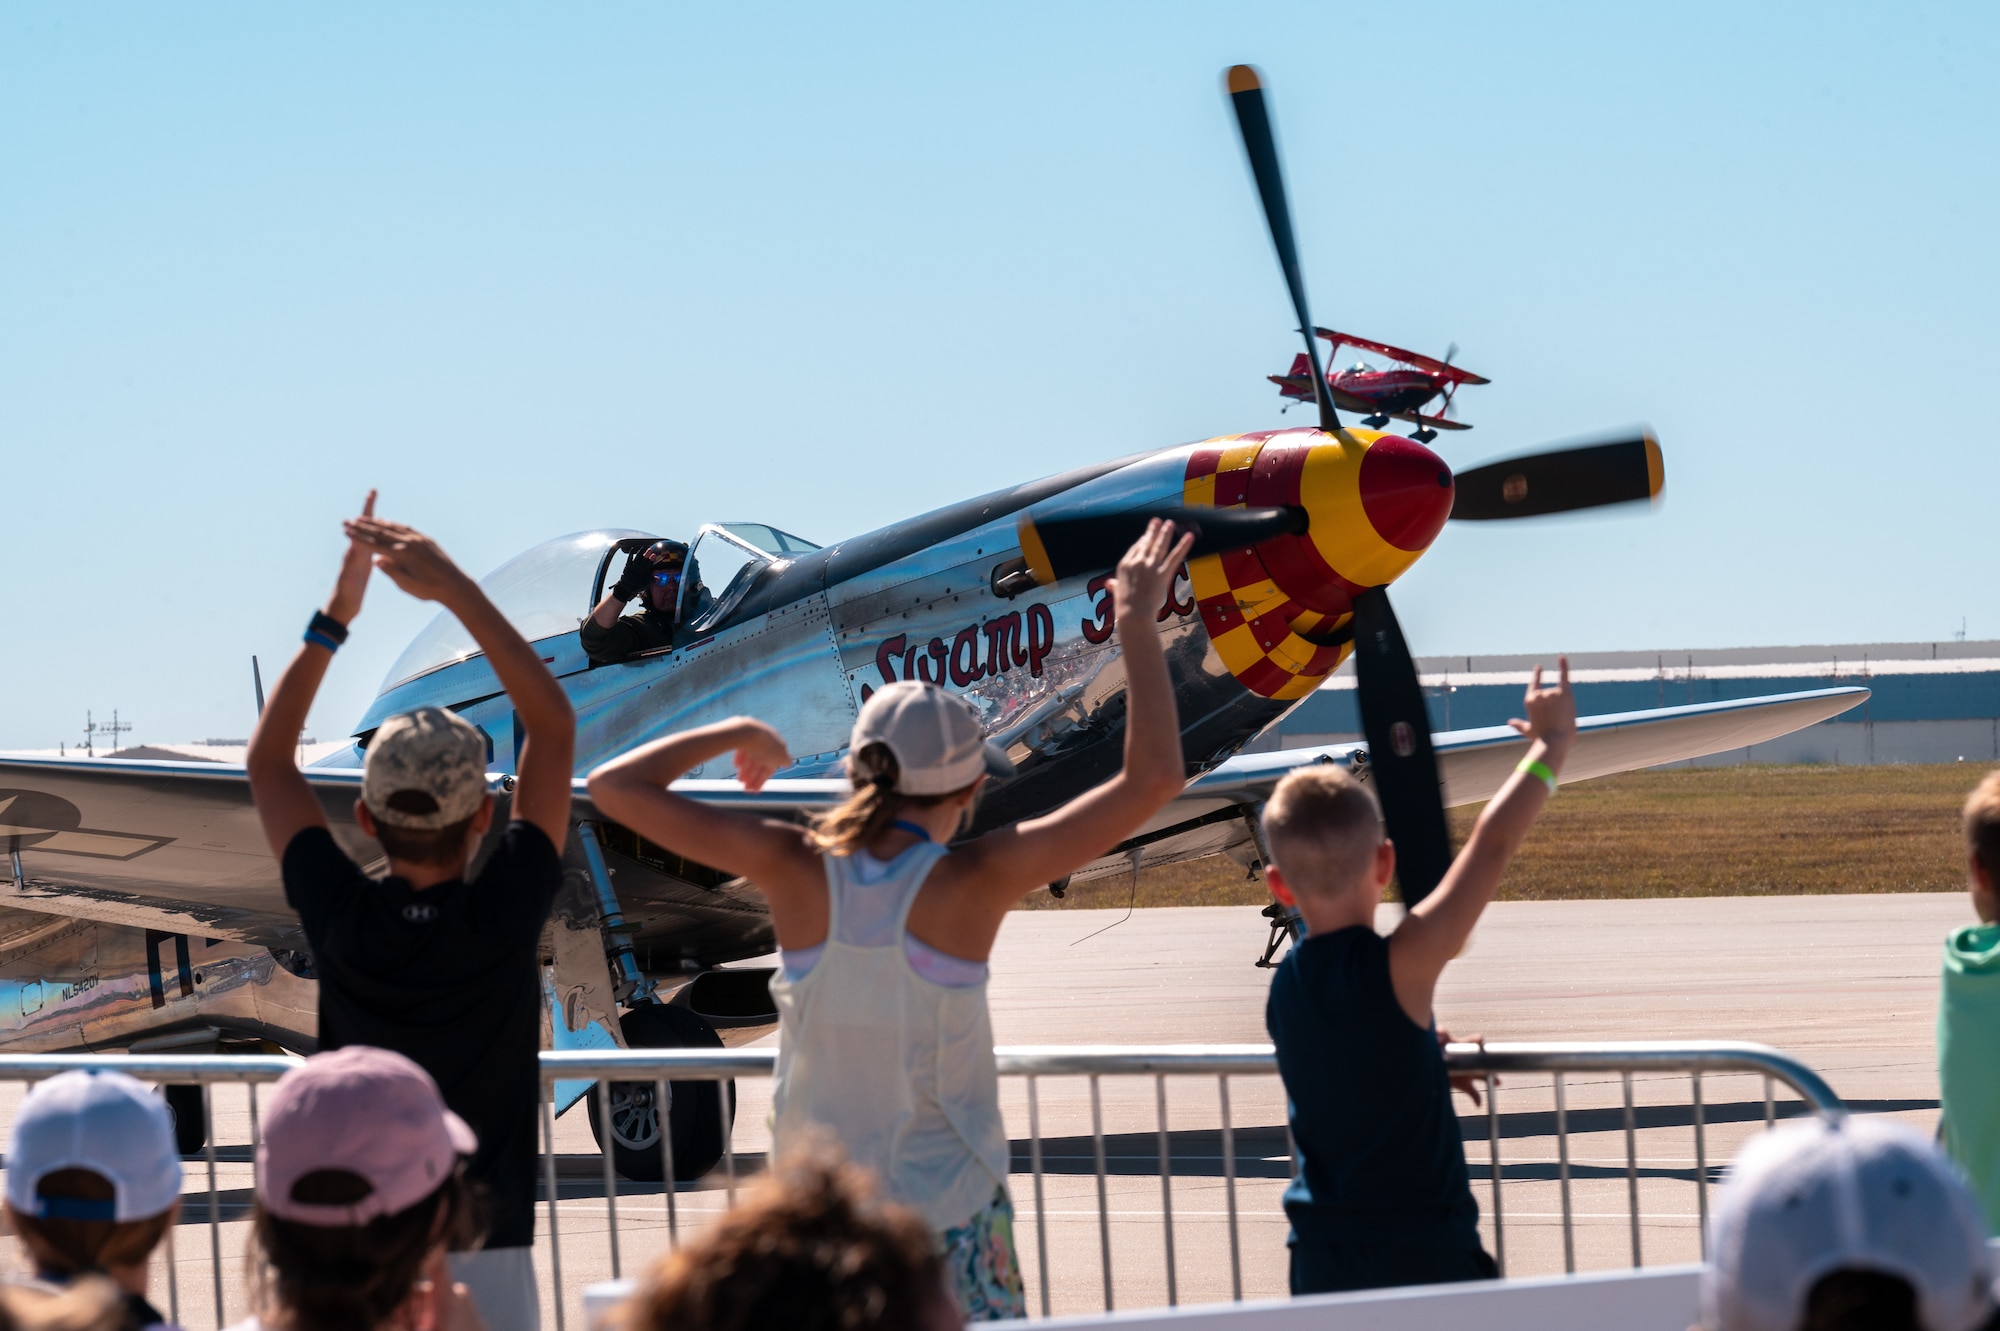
160	845
177	846
1435	422
1414	359
1210	817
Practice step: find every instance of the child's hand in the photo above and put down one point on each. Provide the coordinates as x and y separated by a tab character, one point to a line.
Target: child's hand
760	751
1469	1082
1147	571
1551	712
355	566
412	560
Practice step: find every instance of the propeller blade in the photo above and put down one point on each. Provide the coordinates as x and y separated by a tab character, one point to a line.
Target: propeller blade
1246	95
1561	481
1401	762
1059	547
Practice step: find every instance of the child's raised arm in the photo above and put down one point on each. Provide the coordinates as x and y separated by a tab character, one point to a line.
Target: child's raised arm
632	788
548	747
1009	862
285	804
1435	930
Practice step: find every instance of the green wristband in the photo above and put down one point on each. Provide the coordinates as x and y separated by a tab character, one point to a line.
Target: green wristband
1540	771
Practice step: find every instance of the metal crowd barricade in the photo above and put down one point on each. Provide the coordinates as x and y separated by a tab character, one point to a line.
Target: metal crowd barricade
1031	1066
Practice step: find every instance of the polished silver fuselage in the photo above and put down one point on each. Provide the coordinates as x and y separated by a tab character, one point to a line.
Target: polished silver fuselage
800	646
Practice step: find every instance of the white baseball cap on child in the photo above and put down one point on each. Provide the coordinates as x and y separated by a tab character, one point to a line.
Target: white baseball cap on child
1807	1199
934	736
104	1122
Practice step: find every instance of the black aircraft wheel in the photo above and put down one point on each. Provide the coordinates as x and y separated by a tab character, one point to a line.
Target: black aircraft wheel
695	1108
190	1131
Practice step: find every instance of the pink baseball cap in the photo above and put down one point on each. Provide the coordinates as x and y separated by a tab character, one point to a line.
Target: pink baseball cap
370	1112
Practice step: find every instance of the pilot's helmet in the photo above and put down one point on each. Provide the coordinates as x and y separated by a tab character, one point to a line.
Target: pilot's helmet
669	559
666	553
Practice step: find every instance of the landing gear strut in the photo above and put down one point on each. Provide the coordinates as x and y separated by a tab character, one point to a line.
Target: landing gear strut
1285	923
698	1115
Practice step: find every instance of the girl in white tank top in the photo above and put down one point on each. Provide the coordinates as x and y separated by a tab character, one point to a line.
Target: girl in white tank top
884	1035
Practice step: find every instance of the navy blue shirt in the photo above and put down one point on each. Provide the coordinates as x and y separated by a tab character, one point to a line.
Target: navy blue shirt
449	976
1370	1102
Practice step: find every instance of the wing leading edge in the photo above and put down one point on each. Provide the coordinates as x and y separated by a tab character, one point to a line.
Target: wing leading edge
1210	818
177	846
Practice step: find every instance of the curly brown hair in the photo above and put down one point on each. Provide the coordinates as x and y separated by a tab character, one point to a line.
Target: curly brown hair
812	1249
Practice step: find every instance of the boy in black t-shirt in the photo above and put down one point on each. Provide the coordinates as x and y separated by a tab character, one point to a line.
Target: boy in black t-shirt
1381	1196
424	962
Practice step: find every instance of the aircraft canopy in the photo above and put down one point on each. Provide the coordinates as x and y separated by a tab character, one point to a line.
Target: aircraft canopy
542	591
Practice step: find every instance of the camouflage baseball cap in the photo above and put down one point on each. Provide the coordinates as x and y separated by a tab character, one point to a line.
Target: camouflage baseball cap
424	770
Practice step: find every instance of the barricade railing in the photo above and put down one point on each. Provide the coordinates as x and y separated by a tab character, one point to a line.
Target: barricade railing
1562	1062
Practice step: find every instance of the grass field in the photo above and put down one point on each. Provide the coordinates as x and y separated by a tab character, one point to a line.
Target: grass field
1685	832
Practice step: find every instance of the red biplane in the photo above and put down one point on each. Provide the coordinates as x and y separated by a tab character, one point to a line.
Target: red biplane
1380	394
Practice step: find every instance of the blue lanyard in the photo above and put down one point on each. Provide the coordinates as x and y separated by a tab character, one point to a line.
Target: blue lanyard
912	829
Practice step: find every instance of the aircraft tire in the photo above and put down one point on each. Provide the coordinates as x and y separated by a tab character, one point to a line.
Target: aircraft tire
695	1112
184	1103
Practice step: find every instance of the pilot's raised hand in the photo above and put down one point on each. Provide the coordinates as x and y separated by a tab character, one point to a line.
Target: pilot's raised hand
412	560
638	571
1148	569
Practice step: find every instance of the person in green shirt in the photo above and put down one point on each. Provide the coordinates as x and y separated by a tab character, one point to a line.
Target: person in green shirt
1968	1034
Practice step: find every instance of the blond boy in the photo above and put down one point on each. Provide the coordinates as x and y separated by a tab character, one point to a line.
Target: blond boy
1381	1195
1968	1031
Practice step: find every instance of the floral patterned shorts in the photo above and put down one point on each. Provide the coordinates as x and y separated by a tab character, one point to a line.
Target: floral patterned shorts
980	1263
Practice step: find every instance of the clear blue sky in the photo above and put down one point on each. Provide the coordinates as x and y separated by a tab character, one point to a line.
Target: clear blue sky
535	268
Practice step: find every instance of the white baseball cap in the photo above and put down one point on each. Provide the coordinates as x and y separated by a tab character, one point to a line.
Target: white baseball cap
1808	1199
104	1122
424	770
934	736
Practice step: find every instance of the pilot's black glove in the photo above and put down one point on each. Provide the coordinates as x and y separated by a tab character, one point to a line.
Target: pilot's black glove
637	575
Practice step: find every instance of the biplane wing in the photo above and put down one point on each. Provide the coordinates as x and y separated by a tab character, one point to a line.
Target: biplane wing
1414	359
1434	422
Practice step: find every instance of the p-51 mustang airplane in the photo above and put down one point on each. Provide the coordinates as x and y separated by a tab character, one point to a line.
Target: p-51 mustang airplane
146	912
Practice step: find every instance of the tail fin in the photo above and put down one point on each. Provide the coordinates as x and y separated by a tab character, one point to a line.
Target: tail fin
1301	365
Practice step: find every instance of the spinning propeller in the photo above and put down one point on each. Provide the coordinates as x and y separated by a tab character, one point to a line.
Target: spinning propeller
1409	483
1390	693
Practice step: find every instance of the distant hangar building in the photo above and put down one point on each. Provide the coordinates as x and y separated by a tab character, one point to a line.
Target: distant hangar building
1932	702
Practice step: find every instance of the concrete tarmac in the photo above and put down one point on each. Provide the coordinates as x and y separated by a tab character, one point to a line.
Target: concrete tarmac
1846	983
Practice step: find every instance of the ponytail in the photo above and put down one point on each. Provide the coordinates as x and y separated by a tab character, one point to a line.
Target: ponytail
867	813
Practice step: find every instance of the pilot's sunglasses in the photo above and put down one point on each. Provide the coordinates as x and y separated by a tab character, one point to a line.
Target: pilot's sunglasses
666	578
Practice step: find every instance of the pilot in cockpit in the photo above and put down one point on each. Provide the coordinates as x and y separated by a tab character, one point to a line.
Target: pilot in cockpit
661	578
